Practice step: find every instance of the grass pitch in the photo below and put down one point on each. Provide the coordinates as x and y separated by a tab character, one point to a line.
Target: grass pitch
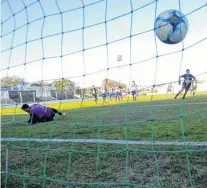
77	165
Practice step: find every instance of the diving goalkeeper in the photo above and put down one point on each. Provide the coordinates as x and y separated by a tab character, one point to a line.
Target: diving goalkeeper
40	114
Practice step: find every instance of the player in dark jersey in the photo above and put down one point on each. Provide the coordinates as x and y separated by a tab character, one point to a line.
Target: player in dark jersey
188	78
39	113
95	94
83	93
120	91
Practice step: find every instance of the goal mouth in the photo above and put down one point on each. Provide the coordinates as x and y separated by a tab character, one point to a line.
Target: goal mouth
103	85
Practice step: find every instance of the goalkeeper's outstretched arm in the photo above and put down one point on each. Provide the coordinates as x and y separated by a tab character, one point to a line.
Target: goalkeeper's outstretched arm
33	119
30	118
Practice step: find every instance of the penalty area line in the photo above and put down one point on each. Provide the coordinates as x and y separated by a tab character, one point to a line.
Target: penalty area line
103	141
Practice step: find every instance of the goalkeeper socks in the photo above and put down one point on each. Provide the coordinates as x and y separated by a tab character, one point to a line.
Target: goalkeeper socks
60	113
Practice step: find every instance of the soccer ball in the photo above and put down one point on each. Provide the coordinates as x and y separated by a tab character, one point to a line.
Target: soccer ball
171	26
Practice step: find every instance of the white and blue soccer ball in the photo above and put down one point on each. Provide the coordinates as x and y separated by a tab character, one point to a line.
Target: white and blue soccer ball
171	26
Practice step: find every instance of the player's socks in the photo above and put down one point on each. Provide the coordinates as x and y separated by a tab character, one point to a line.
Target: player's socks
61	114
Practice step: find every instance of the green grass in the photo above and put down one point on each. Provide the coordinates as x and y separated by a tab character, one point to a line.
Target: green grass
33	164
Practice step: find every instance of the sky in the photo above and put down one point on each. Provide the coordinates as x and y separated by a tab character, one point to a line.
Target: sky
40	59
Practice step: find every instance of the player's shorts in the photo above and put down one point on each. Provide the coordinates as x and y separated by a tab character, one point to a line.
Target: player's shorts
186	86
95	96
117	94
134	92
169	90
103	95
111	95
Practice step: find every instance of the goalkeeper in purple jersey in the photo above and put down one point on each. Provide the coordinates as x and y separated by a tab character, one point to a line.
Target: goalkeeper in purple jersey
39	113
188	79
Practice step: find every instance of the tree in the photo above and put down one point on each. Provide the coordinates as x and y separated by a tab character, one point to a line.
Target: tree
11	81
63	84
112	83
40	84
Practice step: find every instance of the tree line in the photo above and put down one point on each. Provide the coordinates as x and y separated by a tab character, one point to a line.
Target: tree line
12	81
61	84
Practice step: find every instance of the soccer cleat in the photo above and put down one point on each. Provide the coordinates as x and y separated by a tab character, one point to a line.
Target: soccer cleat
176	96
63	114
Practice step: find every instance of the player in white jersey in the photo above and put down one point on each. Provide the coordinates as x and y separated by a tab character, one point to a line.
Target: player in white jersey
111	93
120	91
193	88
134	90
169	89
117	93
103	93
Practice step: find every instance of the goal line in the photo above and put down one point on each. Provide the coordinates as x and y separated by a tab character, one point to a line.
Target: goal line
104	141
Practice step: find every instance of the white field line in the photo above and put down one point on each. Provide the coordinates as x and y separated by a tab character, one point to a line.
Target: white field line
103	141
154	105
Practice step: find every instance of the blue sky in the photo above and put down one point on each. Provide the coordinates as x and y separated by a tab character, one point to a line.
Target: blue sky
74	65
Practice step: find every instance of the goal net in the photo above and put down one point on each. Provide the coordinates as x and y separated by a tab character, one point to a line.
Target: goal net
56	52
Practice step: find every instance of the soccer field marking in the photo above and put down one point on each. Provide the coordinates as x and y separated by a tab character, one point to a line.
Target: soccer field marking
113	104
135	106
157	105
104	141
